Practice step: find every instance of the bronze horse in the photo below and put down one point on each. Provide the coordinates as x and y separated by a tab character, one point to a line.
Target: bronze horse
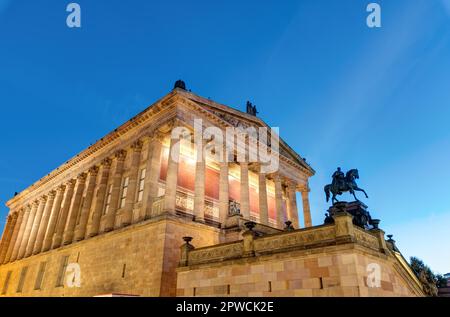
347	184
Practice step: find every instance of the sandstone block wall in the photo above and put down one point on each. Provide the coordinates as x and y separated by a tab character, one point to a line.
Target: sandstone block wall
136	260
330	271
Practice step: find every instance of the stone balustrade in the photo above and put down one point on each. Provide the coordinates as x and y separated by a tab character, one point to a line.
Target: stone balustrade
342	231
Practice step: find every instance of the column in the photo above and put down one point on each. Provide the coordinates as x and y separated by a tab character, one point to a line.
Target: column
224	198
99	201
6	239
74	209
80	230
172	176
5	233
27	232
115	192
153	169
44	222
35	228
14	235
132	183
263	205
53	218
306	209
199	187
292	205
61	224
279	201
23	225
245	195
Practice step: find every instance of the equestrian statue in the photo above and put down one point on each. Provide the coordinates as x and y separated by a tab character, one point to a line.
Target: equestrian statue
343	183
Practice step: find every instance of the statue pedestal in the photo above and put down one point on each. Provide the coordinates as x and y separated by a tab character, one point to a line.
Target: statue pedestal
361	216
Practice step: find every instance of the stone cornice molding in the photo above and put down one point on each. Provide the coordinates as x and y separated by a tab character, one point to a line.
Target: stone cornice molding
222	121
150	113
137	127
255	120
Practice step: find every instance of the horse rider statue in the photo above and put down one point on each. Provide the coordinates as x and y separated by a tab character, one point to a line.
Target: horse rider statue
343	183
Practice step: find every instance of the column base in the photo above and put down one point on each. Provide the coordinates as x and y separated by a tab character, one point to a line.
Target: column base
196	219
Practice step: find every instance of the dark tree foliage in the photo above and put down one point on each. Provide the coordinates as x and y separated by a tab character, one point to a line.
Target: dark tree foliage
428	279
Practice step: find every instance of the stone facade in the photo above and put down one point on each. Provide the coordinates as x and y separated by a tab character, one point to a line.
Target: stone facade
330	260
118	212
136	260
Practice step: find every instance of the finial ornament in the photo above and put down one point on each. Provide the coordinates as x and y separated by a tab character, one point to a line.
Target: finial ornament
289	226
250	225
180	84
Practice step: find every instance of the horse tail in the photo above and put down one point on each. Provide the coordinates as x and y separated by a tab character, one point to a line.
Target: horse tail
327	191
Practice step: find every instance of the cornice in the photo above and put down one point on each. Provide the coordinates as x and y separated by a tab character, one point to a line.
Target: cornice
224	123
160	106
99	145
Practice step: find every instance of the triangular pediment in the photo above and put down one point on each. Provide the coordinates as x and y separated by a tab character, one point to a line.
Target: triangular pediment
239	119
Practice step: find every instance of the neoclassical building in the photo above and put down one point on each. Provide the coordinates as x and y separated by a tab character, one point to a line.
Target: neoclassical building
123	217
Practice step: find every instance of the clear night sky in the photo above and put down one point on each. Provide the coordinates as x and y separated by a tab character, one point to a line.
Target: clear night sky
341	93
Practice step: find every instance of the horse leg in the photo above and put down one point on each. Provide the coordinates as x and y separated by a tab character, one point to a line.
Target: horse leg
353	192
362	190
334	199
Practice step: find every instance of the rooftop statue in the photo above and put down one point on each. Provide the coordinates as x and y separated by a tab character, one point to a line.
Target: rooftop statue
251	109
343	183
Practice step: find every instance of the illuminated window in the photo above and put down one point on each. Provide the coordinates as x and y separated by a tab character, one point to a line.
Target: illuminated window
140	194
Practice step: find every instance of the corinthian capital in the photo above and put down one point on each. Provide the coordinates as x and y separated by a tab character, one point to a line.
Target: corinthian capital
81	177
70	183
120	155
137	146
106	162
93	170
157	136
51	194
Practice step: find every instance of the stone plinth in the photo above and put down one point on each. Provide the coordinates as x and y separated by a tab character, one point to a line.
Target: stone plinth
358	210
328	260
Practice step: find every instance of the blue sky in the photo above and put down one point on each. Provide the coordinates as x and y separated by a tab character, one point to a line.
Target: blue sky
341	93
